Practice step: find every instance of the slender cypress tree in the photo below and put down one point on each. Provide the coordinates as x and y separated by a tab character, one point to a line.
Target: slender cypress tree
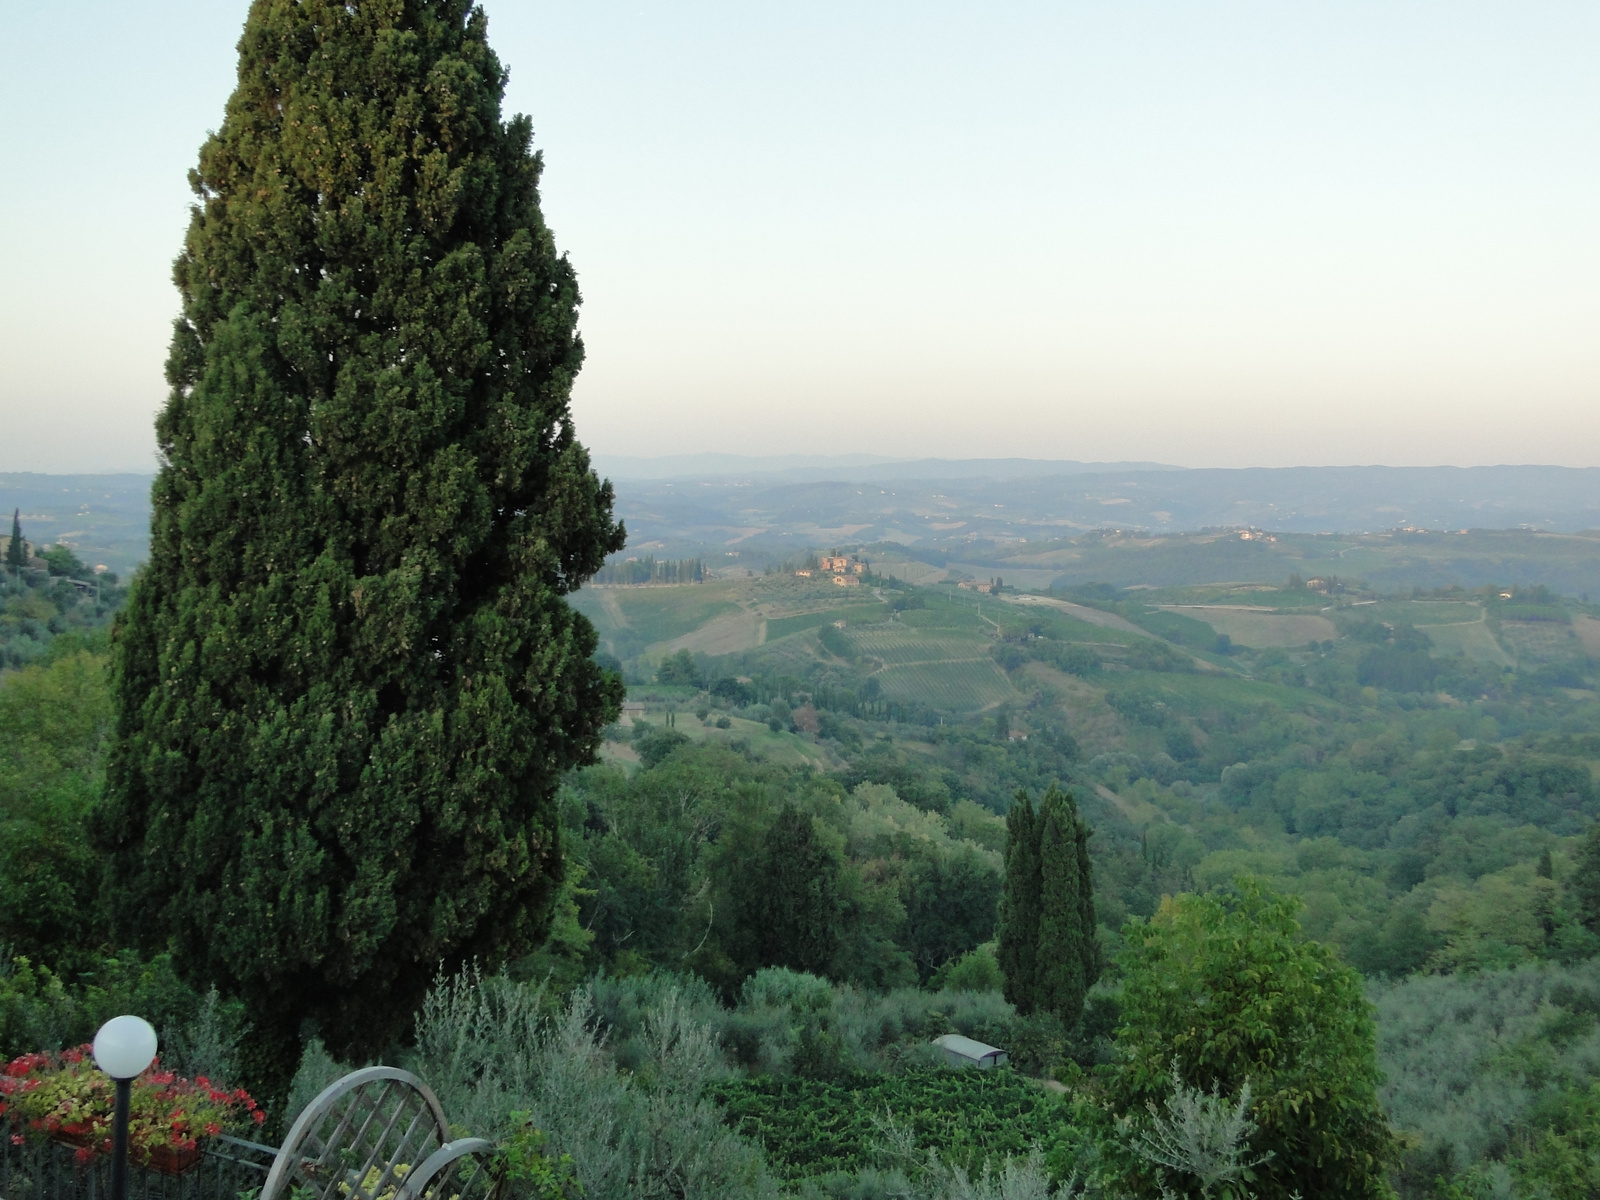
1088	919
1068	957
348	681
1585	881
16	548
799	909
1018	947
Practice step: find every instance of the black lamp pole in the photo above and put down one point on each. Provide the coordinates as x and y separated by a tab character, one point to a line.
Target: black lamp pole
119	1140
123	1048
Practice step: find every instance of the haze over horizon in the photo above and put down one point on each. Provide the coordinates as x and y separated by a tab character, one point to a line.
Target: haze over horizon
1239	236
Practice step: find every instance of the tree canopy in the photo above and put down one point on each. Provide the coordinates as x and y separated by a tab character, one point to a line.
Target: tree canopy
1224	989
348	681
1047	950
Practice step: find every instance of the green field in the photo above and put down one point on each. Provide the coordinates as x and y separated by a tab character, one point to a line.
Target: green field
1472	638
1264	627
958	686
632	619
778	627
895	644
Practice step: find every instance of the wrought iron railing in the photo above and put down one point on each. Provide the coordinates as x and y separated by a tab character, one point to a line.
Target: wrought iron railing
43	1170
376	1134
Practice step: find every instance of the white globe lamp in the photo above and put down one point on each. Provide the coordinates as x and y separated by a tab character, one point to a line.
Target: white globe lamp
123	1048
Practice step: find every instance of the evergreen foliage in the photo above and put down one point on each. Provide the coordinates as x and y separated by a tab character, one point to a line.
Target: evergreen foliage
1047	948
348	680
1068	960
1018	933
1585	882
16	548
799	874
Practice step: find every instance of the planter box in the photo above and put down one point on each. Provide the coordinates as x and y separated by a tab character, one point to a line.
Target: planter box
168	1160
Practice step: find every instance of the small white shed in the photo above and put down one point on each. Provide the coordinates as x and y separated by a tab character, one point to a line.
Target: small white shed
964	1052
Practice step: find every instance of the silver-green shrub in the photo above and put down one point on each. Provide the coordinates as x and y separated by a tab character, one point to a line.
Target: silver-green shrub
488	1049
1465	1058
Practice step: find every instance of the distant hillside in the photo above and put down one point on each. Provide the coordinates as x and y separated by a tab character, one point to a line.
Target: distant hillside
803	468
104	518
744	511
1021	500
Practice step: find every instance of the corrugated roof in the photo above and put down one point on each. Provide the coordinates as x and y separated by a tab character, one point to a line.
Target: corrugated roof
965	1046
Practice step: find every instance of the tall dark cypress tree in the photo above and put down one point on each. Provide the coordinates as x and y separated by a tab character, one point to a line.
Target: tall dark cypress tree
16	548
800	902
1018	935
1068	957
348	680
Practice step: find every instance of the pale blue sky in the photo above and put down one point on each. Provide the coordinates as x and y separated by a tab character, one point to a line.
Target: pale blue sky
1201	233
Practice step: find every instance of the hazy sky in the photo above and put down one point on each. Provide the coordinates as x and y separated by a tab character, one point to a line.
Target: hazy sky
1200	233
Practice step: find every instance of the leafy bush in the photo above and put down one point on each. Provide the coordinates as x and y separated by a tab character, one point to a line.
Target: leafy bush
43	1011
1225	989
975	971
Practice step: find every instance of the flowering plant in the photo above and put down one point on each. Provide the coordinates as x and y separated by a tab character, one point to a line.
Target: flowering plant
66	1097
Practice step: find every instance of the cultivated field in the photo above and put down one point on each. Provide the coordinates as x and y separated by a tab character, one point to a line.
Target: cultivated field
1473	638
1588	631
958	685
1259	628
1533	642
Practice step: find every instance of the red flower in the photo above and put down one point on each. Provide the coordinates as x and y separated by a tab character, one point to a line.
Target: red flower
258	1116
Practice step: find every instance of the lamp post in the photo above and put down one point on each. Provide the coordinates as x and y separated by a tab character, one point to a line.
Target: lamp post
123	1048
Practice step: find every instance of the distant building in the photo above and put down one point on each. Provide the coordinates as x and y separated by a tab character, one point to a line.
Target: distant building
964	1052
838	562
839	624
972	585
847	580
804	573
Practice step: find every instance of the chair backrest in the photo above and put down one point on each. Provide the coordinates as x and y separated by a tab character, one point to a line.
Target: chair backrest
458	1170
360	1138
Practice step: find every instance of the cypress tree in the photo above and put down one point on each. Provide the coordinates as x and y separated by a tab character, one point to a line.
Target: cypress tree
1088	920
1068	957
16	549
1018	935
348	680
799	909
1585	880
